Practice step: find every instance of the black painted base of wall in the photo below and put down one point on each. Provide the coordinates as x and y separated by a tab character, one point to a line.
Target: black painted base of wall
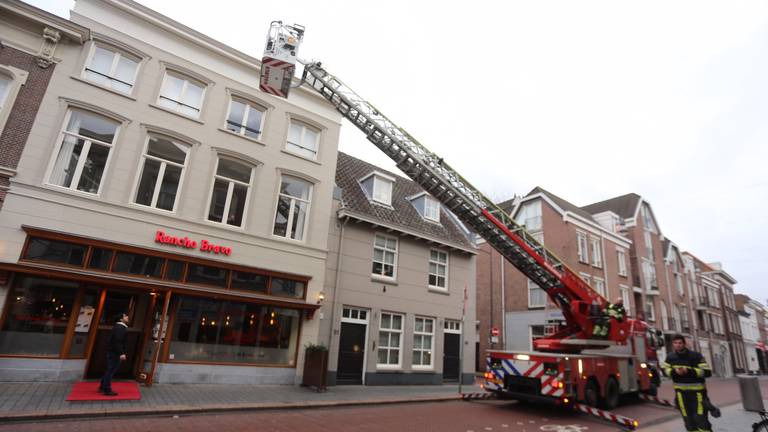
403	378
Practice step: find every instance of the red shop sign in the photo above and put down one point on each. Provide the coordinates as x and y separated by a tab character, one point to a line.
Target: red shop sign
187	243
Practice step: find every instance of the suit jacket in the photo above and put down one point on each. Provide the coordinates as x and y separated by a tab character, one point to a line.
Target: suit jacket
116	343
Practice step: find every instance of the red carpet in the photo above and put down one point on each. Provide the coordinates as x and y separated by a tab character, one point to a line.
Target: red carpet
89	391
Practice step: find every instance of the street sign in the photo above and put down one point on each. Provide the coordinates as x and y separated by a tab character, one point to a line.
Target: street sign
494	331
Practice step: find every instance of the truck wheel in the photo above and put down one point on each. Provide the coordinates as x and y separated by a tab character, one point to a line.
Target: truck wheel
611	394
592	394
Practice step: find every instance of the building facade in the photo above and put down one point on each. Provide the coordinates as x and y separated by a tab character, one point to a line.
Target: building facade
159	181
751	315
400	284
29	38
730	316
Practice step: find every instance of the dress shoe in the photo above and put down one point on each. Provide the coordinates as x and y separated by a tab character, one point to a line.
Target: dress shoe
110	393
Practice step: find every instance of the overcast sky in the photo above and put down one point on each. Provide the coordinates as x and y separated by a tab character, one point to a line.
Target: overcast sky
587	99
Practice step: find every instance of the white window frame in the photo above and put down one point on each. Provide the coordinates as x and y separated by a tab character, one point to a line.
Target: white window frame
532	287
16	78
431	209
596	246
249	108
582	247
664	315
452	326
385	250
85	150
161	173
599	284
118	54
651	312
292	211
685	321
624	290
530	215
230	191
296	148
388	348
431	349
621	255
187	81
648	245
438	264
382	190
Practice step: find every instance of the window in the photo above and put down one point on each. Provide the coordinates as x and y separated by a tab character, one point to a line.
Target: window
649	310
650	275
54	251
378	187
452	326
181	94
597	252
537	297
287	288
137	264
648	246
207	330
583	249
622	259
207	275
5	89
111	68
83	152
390	340
292	208
625	297
384	256
162	169
423	342
536	332
438	269
679	283
231	185
648	218
37	317
599	285
530	216
431	209
245	118
302	140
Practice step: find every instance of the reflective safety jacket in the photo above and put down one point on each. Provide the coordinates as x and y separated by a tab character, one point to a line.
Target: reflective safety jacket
617	311
696	369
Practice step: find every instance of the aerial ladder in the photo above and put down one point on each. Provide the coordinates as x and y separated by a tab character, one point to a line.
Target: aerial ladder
580	304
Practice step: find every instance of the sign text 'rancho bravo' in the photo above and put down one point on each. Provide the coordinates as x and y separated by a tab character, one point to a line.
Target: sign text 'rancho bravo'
188	243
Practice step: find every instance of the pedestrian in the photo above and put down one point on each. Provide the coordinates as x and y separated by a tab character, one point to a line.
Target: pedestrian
689	370
116	352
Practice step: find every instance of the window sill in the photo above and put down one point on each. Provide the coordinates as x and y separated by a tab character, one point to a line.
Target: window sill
288	239
103	87
247	138
389	369
154	210
382	279
436	290
423	369
73	192
542	307
170	111
290	153
222	225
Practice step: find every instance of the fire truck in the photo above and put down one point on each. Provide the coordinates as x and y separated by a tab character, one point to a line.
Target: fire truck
570	365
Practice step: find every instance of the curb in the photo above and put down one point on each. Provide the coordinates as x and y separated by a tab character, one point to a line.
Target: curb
185	409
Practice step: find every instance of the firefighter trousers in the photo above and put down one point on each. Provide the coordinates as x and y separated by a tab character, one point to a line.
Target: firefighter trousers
693	406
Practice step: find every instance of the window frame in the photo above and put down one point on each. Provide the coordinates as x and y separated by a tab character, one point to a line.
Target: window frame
384	251
118	53
291	212
158	182
401	332
72	188
431	350
600	287
250	106
429	199
187	78
304	127
230	191
438	264
621	256
582	247
17	78
596	251
532	286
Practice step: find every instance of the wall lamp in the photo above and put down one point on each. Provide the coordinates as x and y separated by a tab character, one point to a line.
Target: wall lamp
320	297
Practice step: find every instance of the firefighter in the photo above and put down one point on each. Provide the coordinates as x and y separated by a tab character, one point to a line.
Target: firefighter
688	370
603	323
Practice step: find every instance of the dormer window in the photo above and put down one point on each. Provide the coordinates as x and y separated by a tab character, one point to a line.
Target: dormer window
378	187
428	207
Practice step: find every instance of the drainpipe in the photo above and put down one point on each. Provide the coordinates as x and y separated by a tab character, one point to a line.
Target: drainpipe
337	286
503	332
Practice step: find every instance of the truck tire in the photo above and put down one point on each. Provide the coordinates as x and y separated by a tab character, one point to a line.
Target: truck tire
592	394
611	400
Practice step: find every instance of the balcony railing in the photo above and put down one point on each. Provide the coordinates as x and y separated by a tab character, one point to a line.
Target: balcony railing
672	324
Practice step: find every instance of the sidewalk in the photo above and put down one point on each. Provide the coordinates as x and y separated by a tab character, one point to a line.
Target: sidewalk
734	419
36	401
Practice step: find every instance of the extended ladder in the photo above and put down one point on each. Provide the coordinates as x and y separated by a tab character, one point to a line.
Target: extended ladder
475	210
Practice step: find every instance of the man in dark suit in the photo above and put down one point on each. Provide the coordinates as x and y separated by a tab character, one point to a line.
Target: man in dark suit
116	352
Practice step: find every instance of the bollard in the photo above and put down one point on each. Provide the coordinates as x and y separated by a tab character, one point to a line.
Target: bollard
751	397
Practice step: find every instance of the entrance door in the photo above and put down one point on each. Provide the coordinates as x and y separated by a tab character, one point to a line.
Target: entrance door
451	350
354	323
117	301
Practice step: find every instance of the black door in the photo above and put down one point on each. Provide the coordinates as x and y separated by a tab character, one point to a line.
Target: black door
451	346
118	302
351	354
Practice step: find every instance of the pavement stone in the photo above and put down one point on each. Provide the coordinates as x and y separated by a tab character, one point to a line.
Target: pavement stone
734	419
